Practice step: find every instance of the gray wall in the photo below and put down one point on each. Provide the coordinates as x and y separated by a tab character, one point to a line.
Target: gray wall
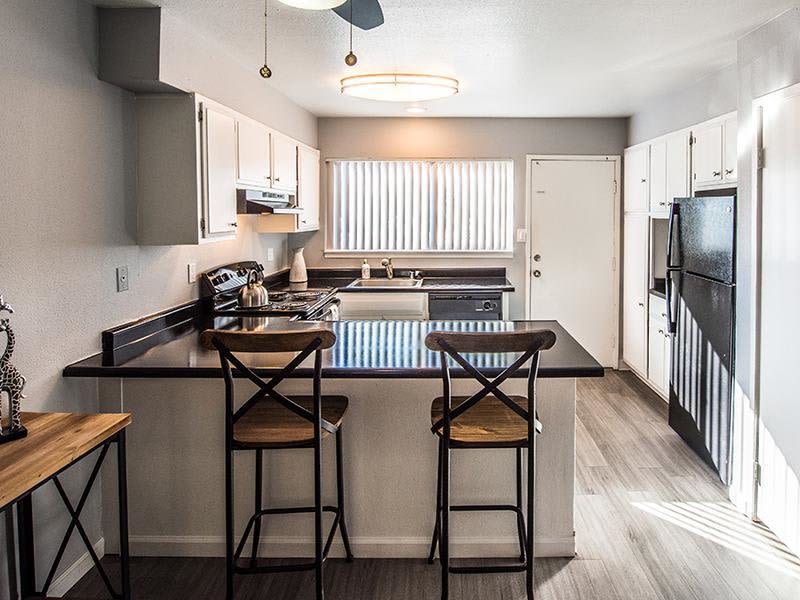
67	212
709	97
464	138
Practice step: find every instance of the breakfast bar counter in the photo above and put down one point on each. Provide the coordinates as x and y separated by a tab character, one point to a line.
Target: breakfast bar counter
176	461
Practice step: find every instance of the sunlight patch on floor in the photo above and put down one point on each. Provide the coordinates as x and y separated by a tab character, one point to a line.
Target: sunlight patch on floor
719	522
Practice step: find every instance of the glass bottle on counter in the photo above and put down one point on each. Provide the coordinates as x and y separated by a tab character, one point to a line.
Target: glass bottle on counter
365	270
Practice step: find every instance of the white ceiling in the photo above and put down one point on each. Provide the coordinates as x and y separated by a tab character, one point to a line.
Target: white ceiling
514	58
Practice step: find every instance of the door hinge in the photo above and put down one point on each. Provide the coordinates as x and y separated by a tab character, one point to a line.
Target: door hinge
615	187
691	140
200	114
614	264
203	225
760	159
757	473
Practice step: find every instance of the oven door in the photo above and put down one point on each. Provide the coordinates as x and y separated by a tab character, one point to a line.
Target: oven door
329	312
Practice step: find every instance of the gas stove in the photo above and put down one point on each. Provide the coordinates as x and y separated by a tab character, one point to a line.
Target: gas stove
220	289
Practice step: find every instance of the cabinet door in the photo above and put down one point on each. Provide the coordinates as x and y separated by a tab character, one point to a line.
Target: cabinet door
253	164
678	175
730	163
634	305
658	176
308	188
284	163
707	155
655	354
219	169
636	179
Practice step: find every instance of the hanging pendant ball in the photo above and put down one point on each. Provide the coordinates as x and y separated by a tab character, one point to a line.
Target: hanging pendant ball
265	72
350	60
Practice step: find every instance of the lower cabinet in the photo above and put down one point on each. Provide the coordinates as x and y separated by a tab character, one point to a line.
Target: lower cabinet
658	356
389	306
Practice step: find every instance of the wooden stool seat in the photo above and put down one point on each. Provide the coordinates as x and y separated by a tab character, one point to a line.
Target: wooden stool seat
267	424
489	424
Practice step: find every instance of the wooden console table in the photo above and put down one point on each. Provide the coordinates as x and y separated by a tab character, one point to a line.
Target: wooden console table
55	442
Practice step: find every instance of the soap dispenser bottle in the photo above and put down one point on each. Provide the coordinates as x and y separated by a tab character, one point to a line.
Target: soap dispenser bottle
365	270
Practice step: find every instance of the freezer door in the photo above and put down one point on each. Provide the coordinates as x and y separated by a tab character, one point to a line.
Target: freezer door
701	374
704	233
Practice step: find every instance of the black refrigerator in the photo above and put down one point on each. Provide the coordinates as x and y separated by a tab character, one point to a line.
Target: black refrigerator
701	293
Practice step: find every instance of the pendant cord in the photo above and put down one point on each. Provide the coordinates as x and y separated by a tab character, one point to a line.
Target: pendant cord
351	26
265	32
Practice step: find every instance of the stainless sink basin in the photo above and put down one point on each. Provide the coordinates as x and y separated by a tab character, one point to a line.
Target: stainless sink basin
386	283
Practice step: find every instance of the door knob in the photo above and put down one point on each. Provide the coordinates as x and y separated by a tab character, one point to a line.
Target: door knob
537	273
537	257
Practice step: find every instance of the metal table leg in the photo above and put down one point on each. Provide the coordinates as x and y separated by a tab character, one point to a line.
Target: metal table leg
11	554
122	484
27	556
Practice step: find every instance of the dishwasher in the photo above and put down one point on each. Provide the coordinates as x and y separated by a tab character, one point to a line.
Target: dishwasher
447	306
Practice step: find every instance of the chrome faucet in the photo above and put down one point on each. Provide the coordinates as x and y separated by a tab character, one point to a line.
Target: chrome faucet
387	262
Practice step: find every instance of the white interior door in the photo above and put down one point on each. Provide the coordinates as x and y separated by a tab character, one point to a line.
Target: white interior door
574	223
779	409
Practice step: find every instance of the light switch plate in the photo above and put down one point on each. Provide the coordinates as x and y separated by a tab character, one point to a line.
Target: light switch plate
122	279
522	236
270	254
191	272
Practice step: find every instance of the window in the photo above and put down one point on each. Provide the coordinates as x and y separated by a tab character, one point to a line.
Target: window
420	206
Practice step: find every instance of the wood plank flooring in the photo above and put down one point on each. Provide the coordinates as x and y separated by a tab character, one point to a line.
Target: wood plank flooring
652	523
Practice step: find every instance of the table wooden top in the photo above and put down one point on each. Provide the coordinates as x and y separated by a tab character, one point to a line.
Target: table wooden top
54	442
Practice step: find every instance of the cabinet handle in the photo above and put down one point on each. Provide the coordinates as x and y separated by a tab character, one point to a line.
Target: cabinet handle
277	179
662	203
728	171
641	304
716	174
661	331
644	180
233	224
664	315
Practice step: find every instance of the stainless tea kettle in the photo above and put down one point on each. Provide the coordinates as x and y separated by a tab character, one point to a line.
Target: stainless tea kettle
253	295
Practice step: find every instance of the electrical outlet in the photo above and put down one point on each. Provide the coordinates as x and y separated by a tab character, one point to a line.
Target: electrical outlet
270	254
522	236
122	279
191	272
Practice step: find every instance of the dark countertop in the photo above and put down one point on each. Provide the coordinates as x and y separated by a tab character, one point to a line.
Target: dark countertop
464	280
365	349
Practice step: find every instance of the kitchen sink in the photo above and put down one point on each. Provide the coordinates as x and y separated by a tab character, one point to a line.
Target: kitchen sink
386	283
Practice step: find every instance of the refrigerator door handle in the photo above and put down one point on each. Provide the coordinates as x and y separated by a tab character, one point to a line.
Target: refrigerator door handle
673	216
671	323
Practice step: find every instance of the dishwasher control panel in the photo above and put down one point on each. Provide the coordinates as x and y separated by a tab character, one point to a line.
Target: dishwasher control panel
465	306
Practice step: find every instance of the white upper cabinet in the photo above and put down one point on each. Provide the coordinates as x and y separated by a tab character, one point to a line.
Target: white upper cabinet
730	154
634	294
284	163
637	176
669	171
707	155
714	155
219	170
192	155
308	188
253	154
186	172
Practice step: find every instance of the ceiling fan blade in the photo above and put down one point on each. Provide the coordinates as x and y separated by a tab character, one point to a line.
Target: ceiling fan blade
367	14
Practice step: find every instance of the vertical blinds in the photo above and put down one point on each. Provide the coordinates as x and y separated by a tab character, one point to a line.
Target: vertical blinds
420	205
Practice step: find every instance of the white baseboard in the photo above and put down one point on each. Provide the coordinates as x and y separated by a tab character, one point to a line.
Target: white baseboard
67	580
363	547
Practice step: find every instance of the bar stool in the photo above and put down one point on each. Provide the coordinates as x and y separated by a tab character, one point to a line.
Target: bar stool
271	421
487	419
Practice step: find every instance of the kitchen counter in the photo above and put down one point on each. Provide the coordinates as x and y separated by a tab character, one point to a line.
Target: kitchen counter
173	387
365	349
466	280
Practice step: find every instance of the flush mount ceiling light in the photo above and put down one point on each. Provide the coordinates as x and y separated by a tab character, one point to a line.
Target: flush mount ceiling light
314	4
399	87
416	110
